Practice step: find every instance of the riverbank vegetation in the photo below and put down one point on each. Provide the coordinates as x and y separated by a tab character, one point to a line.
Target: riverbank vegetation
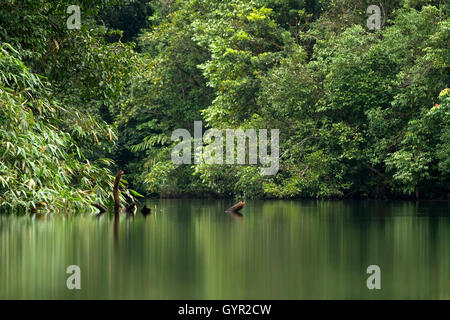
362	113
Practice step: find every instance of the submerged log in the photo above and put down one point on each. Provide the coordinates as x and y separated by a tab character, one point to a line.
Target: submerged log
238	206
146	211
130	209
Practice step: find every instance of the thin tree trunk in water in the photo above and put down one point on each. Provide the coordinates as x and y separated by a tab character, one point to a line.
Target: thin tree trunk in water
417	193
116	193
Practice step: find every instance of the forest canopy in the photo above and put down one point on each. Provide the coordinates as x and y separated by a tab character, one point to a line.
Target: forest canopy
362	113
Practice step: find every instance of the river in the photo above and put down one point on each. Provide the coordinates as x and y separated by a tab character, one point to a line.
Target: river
192	249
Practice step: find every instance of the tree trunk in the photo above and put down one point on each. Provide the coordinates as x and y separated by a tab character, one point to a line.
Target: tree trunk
116	193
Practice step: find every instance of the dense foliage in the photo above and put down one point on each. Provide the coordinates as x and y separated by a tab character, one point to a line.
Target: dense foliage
354	106
55	83
361	113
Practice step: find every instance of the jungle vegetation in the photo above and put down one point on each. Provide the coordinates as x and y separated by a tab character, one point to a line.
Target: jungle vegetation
362	113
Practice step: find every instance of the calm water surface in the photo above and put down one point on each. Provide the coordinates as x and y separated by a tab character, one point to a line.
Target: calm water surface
191	249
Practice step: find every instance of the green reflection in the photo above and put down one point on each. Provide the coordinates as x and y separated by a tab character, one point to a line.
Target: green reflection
191	249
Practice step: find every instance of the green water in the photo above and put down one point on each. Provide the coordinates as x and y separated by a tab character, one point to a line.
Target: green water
191	249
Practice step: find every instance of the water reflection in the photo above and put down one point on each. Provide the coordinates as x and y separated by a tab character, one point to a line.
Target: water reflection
235	215
116	231
192	249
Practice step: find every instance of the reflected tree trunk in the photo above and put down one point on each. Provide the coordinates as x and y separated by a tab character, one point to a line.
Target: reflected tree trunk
116	230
